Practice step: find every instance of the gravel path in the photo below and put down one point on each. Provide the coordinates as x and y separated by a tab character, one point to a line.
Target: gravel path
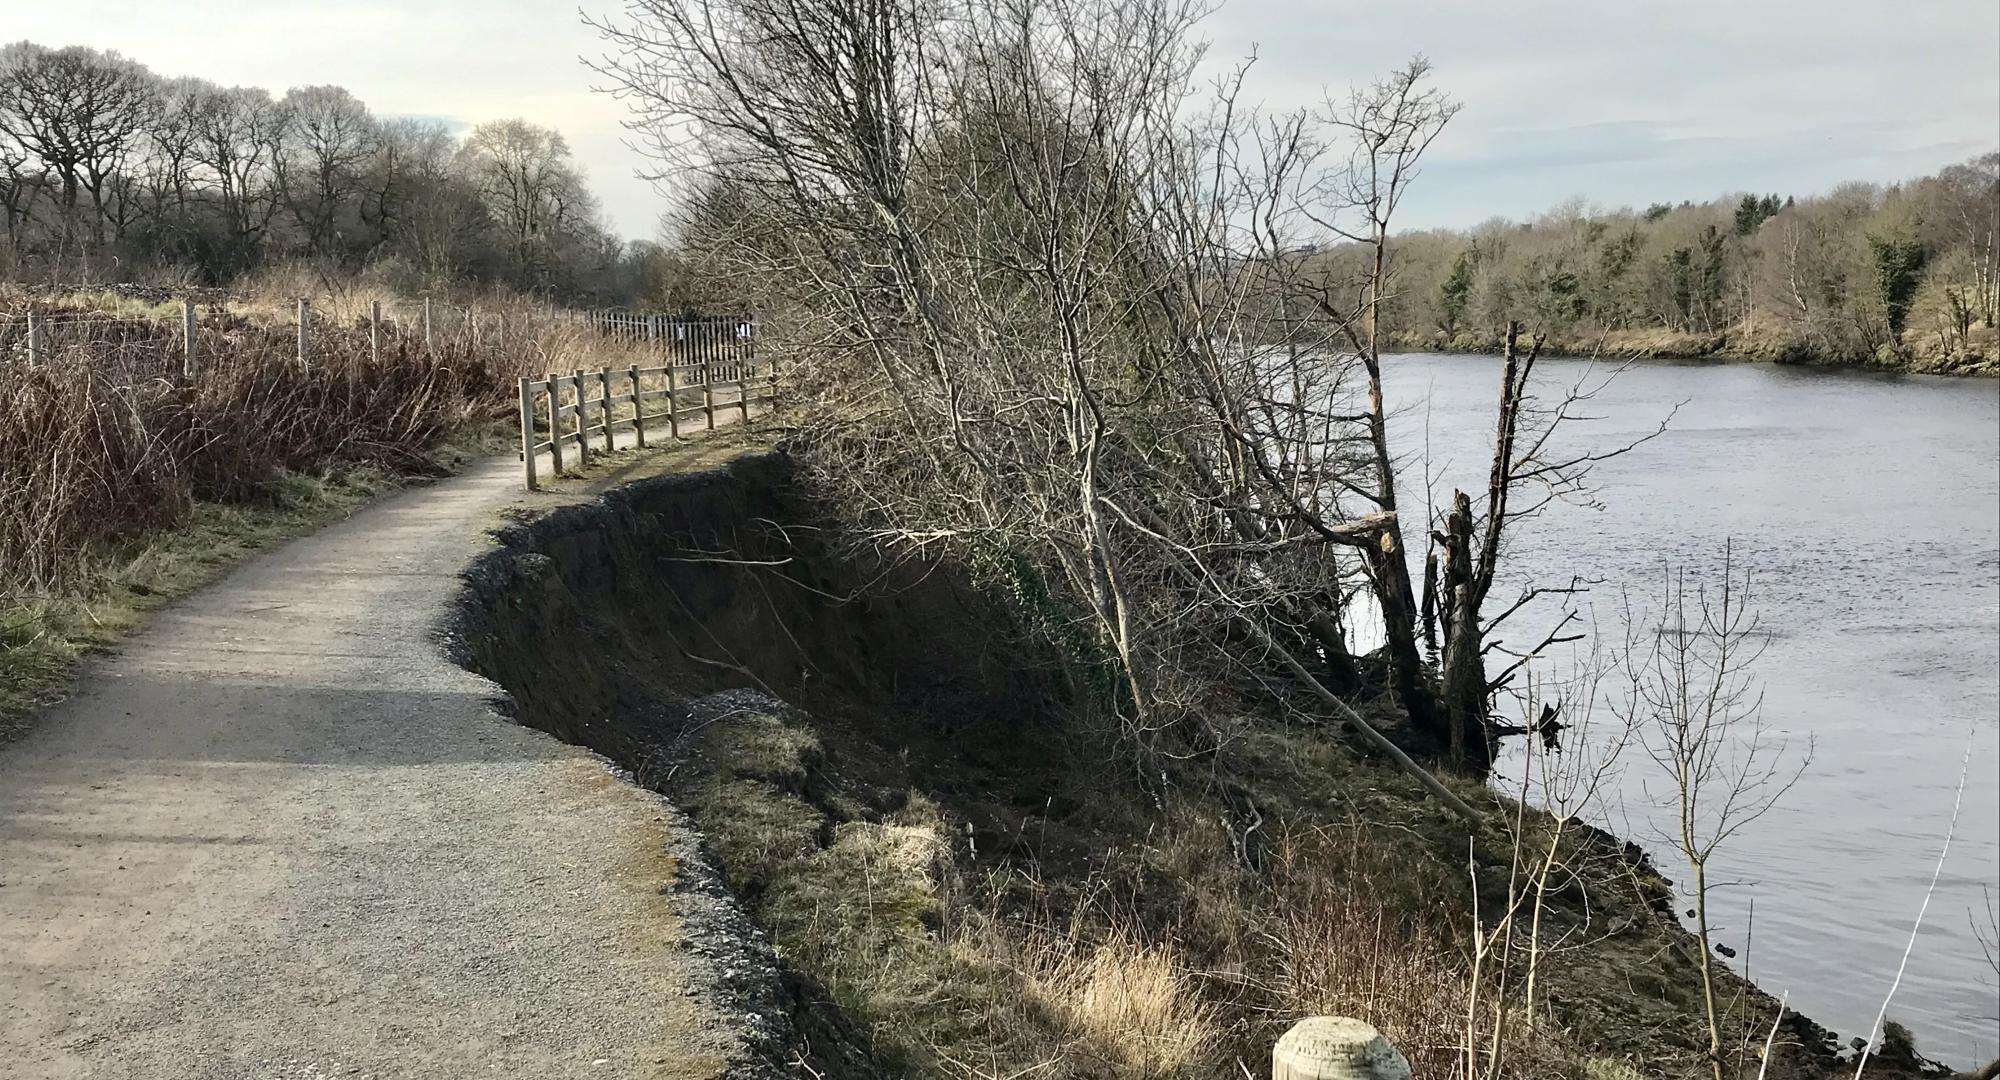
277	835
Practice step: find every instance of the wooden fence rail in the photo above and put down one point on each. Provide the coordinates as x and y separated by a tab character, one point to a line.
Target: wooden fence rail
564	413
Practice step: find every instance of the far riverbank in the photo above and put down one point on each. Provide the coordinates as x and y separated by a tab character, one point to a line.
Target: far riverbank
1978	356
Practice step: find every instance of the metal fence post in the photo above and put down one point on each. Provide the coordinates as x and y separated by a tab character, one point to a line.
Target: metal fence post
189	328
375	335
305	331
428	341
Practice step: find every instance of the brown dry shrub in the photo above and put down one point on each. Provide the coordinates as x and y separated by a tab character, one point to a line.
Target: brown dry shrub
1349	934
105	438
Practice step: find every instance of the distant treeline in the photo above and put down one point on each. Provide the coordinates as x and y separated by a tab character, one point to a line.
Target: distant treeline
1903	275
111	172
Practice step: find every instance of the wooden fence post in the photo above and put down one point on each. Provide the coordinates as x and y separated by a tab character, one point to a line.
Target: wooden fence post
673	404
305	332
189	327
34	340
708	394
604	406
638	407
375	336
743	392
582	414
528	432
555	425
1336	1048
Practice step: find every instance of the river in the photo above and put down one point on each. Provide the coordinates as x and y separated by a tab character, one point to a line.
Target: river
1866	510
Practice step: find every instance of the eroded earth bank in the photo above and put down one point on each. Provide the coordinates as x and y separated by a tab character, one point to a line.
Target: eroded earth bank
920	856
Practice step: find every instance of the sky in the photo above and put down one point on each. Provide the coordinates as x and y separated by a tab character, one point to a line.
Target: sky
1621	102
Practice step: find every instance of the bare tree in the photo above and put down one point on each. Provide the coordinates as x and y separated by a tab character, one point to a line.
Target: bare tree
1698	714
1967	204
20	185
168	162
1530	468
81	113
1391	125
240	135
530	187
1068	317
329	135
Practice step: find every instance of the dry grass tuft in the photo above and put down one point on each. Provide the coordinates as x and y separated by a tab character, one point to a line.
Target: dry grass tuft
1133	1007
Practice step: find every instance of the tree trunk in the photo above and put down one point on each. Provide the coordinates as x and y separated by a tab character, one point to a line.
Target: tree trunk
1462	674
1399	624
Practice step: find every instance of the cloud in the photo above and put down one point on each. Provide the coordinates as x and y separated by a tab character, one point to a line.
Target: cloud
1627	102
1630	103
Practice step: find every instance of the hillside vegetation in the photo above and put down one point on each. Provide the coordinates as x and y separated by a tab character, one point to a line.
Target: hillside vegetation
1902	276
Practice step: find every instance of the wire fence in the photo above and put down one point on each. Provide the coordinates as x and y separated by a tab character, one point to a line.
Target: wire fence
162	342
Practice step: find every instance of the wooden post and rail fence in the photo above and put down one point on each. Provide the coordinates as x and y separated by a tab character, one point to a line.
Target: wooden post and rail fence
562	415
712	369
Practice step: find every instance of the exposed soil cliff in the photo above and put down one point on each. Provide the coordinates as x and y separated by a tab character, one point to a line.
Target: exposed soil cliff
960	879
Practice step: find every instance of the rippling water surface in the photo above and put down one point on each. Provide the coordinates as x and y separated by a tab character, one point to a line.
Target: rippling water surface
1867	511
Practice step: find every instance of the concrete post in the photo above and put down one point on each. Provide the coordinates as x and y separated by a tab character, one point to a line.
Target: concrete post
189	327
1336	1048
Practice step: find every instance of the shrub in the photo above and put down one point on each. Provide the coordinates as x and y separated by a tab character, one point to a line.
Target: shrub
105	438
